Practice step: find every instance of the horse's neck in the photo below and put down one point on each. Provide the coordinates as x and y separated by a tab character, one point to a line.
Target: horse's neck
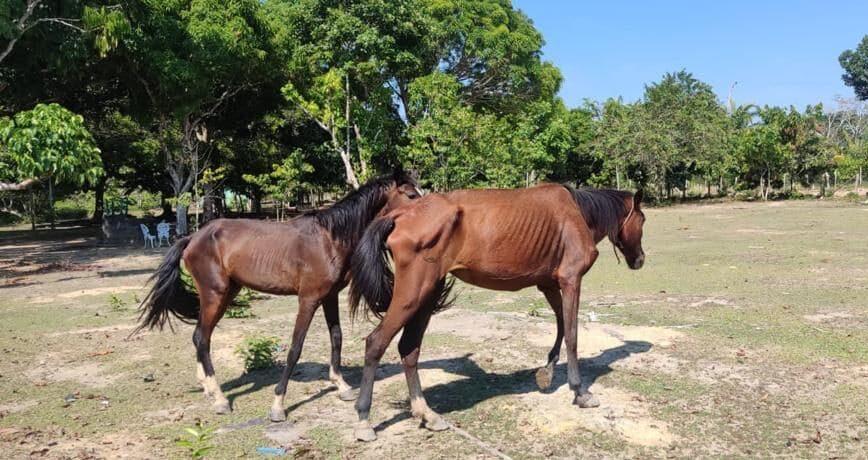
602	233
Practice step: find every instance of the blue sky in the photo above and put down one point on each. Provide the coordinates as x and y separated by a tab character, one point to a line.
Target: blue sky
780	52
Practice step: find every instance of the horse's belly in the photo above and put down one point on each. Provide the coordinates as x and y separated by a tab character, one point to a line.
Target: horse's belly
498	282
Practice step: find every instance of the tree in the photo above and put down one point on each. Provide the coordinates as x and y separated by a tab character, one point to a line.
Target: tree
50	144
855	64
284	180
191	59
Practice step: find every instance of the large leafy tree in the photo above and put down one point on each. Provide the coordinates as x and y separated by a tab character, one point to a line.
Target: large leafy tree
48	143
855	64
191	60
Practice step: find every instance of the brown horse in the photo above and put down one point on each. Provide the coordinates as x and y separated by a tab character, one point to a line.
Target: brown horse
307	256
545	236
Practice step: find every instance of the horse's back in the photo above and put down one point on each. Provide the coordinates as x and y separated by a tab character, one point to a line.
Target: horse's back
267	256
501	239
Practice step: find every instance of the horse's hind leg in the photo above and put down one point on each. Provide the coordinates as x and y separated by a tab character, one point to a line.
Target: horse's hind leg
544	374
409	347
333	321
307	306
213	301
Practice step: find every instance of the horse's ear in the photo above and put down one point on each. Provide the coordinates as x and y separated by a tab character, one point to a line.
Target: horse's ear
398	174
637	197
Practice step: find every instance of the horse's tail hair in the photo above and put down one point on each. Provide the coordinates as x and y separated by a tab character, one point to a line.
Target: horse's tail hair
169	294
372	279
371	276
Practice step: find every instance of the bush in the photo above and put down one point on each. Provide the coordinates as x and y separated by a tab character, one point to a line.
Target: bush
258	352
198	441
75	206
116	303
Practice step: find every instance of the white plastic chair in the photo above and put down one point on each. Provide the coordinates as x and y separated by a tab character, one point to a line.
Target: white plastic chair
163	233
148	237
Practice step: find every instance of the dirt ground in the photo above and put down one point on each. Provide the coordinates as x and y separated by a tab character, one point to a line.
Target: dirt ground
745	335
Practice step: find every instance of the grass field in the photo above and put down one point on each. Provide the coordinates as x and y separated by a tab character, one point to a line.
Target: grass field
745	335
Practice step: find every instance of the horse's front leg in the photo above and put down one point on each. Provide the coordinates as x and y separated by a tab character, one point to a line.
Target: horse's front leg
332	315
570	292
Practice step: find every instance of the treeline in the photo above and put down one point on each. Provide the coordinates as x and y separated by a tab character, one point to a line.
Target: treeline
287	99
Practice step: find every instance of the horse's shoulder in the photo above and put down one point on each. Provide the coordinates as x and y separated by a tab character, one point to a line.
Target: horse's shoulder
426	221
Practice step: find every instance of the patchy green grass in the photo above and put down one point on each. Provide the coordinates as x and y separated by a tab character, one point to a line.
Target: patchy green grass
745	335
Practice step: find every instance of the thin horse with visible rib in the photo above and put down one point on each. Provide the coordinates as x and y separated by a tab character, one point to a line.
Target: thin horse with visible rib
307	256
544	236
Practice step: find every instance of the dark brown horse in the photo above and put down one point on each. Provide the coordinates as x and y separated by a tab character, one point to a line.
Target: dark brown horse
307	256
545	236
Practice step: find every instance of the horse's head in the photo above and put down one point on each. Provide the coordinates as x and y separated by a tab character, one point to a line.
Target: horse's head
630	234
403	190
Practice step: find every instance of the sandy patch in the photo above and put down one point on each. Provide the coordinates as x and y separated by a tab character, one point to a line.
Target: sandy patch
621	414
476	327
17	406
59	444
98	291
94	330
760	231
89	374
595	338
827	317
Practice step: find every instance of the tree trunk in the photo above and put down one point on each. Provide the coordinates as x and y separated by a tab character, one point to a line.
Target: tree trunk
99	200
51	202
209	211
617	177
256	203
32	210
167	208
181	220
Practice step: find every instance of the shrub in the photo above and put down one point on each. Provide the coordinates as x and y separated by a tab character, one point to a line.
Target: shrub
116	303
198	442
257	352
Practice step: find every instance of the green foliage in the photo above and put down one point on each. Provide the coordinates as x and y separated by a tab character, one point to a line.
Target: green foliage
197	440
49	142
287	99
855	64
240	306
258	352
116	303
285	179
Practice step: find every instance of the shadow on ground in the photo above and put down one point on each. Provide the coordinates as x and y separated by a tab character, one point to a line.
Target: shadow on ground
458	395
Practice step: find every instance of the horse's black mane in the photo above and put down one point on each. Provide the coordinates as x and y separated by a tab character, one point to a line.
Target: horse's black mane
603	209
347	219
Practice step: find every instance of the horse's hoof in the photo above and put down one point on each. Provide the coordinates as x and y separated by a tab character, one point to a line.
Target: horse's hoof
349	395
586	401
436	424
365	433
276	415
222	407
544	378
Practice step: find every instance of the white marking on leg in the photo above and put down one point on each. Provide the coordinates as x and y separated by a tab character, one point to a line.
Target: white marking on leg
213	389
278	405
419	407
200	376
338	380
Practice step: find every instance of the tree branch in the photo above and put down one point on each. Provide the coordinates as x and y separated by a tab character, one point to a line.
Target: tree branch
20	186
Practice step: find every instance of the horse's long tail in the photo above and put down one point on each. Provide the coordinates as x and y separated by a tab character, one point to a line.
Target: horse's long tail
372	277
169	293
